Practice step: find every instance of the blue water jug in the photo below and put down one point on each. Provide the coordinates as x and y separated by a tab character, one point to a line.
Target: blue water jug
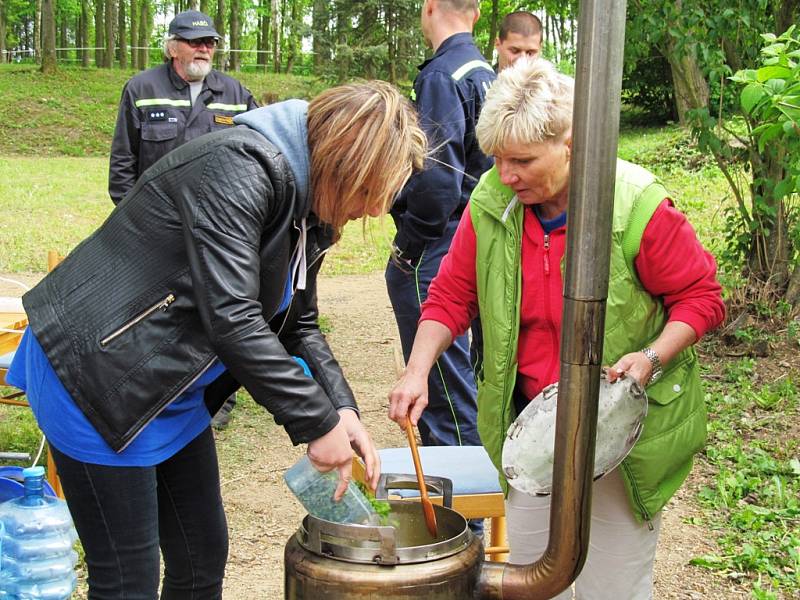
37	560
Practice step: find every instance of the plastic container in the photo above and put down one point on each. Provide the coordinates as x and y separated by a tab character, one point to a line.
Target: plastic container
315	491
37	561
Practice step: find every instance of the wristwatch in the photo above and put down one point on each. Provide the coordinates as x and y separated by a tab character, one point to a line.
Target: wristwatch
655	362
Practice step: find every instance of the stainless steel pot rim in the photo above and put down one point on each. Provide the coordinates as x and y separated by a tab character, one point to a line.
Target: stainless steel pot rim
373	544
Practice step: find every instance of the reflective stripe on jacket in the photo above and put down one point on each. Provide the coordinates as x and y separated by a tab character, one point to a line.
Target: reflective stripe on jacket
675	426
156	116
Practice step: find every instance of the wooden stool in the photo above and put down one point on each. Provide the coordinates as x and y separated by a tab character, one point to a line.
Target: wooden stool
476	490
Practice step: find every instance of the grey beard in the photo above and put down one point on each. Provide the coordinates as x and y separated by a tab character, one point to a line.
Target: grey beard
197	71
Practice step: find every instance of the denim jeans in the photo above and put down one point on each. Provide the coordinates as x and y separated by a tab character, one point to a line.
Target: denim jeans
124	514
451	417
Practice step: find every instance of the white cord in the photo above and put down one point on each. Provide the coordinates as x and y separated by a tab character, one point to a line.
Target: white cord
15	282
38	453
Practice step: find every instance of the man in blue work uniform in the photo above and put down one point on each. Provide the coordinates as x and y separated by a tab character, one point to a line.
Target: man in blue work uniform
171	104
449	92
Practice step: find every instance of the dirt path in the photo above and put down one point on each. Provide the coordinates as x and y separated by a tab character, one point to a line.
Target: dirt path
254	453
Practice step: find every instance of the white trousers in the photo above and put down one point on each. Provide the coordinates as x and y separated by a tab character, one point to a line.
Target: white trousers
619	565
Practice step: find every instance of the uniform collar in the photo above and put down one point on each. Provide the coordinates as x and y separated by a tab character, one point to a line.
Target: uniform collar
457	39
212	80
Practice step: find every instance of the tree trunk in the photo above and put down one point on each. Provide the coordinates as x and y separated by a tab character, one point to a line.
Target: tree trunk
320	26
275	30
2	31
236	42
62	38
691	88
785	14
263	36
204	6
37	31
48	37
110	20
144	33
219	25
99	32
83	34
769	254
488	51
342	35
391	41
295	23
134	12
122	36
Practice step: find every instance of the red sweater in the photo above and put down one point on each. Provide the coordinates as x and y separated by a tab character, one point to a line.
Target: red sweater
671	264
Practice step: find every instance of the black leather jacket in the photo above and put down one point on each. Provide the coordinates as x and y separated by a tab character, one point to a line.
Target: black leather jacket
191	266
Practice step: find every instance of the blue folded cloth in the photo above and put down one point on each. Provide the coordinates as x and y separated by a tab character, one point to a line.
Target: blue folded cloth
468	467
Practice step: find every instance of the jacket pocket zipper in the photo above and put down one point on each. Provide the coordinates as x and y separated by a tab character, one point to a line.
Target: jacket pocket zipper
162	305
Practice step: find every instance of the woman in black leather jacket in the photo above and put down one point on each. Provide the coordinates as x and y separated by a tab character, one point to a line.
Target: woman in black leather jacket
201	280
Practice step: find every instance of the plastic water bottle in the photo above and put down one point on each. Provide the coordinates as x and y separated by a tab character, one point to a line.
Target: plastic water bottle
315	491
37	561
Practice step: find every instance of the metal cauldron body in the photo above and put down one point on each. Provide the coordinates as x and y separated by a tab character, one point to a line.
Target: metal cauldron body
399	562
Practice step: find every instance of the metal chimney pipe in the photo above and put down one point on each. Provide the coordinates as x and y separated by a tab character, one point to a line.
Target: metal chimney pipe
598	81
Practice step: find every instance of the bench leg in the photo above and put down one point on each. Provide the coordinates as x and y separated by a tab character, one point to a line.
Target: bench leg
498	548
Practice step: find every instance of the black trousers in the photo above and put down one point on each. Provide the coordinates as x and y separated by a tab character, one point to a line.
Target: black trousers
123	515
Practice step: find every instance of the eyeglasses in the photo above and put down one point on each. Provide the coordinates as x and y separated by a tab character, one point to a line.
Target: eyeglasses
208	42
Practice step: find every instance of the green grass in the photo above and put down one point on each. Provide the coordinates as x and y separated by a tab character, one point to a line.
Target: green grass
73	112
48	204
753	503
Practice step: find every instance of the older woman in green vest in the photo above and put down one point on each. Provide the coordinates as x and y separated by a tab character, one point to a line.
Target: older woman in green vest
505	264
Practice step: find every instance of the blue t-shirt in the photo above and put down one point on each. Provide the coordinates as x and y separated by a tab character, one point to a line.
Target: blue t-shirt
66	427
550	224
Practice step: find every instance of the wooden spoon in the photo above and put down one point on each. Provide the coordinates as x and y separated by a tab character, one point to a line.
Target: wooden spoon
427	505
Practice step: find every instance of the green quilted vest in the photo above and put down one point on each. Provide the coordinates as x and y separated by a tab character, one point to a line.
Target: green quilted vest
675	427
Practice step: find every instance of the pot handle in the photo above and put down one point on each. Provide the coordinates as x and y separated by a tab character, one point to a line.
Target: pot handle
440	486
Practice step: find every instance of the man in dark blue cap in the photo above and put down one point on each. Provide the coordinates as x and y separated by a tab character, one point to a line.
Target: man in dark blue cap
173	103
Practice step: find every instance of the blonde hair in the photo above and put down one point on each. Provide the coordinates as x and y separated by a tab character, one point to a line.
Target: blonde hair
529	102
365	143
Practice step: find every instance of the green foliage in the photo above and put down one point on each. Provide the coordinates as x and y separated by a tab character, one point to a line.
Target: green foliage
759	153
753	503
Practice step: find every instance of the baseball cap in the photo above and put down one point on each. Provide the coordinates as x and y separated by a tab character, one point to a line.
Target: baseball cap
192	24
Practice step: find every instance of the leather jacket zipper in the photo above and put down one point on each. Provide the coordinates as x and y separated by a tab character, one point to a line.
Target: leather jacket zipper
162	305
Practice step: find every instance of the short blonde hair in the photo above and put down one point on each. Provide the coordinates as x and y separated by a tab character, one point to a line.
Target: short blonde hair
365	143
529	102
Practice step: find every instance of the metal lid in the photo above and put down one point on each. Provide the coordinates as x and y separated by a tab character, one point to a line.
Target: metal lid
404	540
529	445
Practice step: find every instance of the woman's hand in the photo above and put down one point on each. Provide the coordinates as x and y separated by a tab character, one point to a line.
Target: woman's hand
332	451
410	394
408	398
362	443
675	337
635	365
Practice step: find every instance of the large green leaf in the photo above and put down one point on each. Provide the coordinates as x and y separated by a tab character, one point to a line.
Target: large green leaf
773	72
751	95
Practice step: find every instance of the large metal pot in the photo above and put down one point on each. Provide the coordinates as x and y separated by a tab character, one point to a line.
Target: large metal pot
396	561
